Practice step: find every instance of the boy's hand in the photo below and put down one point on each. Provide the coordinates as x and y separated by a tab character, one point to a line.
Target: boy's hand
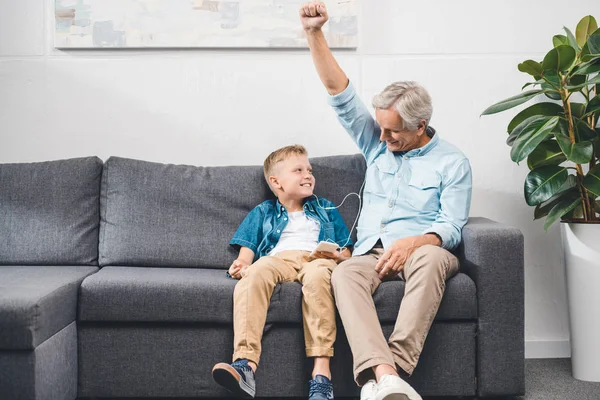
238	269
313	15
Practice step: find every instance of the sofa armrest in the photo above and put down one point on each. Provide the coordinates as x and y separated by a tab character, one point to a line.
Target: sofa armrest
492	255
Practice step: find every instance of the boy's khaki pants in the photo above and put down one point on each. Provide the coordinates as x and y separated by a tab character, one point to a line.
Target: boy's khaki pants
252	296
354	283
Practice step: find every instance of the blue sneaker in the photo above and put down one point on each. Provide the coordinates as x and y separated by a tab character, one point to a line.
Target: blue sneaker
238	378
320	388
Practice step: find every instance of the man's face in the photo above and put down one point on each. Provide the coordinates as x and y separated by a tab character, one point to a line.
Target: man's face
394	135
294	177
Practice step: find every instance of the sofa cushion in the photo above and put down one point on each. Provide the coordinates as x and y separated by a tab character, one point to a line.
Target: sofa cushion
136	294
173	295
36	302
459	301
159	215
50	212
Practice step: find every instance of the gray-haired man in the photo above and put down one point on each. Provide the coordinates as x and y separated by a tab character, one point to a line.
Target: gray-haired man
416	201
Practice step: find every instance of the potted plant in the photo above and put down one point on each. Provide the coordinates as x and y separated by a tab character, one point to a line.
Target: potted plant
559	138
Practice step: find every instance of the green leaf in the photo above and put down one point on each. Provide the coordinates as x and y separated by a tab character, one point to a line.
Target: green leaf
577	80
559	59
591	50
577	109
571	39
590	67
593	106
511	102
542	210
592	81
597	206
583	131
592	181
585	28
579	153
564	206
519	128
539	82
560	40
531	67
535	131
547	153
548	109
576	213
543	183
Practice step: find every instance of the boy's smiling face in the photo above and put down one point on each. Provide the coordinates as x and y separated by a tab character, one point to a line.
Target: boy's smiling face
293	178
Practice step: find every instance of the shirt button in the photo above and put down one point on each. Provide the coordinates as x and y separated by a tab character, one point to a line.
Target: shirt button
406	157
391	205
278	231
285	219
383	225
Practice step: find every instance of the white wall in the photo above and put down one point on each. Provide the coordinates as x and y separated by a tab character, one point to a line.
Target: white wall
213	107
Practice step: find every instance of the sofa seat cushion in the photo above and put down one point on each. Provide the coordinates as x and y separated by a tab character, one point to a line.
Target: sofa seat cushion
190	295
141	294
36	302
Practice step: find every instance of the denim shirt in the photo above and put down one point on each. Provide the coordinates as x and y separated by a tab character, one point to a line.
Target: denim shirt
261	229
424	190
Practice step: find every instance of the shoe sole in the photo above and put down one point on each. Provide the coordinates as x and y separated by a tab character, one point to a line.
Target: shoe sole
396	396
226	376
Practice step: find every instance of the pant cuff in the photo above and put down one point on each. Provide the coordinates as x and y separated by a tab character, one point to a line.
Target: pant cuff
361	371
249	355
319	352
406	367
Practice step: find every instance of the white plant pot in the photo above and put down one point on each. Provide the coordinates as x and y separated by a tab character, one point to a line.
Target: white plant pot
581	245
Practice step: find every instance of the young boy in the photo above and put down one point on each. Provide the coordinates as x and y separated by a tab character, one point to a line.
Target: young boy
276	242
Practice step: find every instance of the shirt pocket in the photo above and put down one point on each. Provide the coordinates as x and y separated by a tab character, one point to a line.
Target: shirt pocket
386	164
424	191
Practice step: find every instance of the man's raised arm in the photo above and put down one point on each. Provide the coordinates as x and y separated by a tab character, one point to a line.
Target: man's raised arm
314	16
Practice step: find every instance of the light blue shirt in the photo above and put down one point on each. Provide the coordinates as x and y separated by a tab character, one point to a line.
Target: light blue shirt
425	190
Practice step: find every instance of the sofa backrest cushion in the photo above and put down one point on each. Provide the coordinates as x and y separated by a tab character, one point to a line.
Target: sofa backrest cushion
166	215
50	212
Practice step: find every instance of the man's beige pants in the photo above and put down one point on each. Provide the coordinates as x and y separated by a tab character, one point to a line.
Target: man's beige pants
252	296
354	282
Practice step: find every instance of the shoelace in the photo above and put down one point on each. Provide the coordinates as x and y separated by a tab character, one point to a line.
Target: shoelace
243	365
318	387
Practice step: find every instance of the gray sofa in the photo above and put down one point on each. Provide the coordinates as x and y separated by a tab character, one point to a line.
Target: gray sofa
112	284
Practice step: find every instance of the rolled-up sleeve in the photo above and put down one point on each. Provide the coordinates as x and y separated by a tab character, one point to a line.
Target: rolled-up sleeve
455	201
249	233
358	121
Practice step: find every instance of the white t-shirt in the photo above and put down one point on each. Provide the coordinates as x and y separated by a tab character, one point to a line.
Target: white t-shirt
300	233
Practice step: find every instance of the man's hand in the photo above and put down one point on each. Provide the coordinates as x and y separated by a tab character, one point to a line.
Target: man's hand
238	269
313	15
337	256
393	259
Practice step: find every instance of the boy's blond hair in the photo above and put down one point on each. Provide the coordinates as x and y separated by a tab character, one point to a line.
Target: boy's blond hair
279	155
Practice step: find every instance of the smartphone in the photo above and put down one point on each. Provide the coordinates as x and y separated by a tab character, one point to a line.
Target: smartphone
329	247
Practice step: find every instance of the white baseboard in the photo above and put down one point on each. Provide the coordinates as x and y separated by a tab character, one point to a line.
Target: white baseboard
547	349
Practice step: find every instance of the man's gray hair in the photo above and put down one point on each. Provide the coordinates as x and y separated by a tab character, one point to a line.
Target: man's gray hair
409	99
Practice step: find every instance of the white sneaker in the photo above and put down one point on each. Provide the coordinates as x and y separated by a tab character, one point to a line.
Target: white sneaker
368	390
392	387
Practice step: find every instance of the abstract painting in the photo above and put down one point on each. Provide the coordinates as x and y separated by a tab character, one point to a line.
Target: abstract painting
196	23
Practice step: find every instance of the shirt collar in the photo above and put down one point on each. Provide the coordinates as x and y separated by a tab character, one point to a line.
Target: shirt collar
421	151
308	204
